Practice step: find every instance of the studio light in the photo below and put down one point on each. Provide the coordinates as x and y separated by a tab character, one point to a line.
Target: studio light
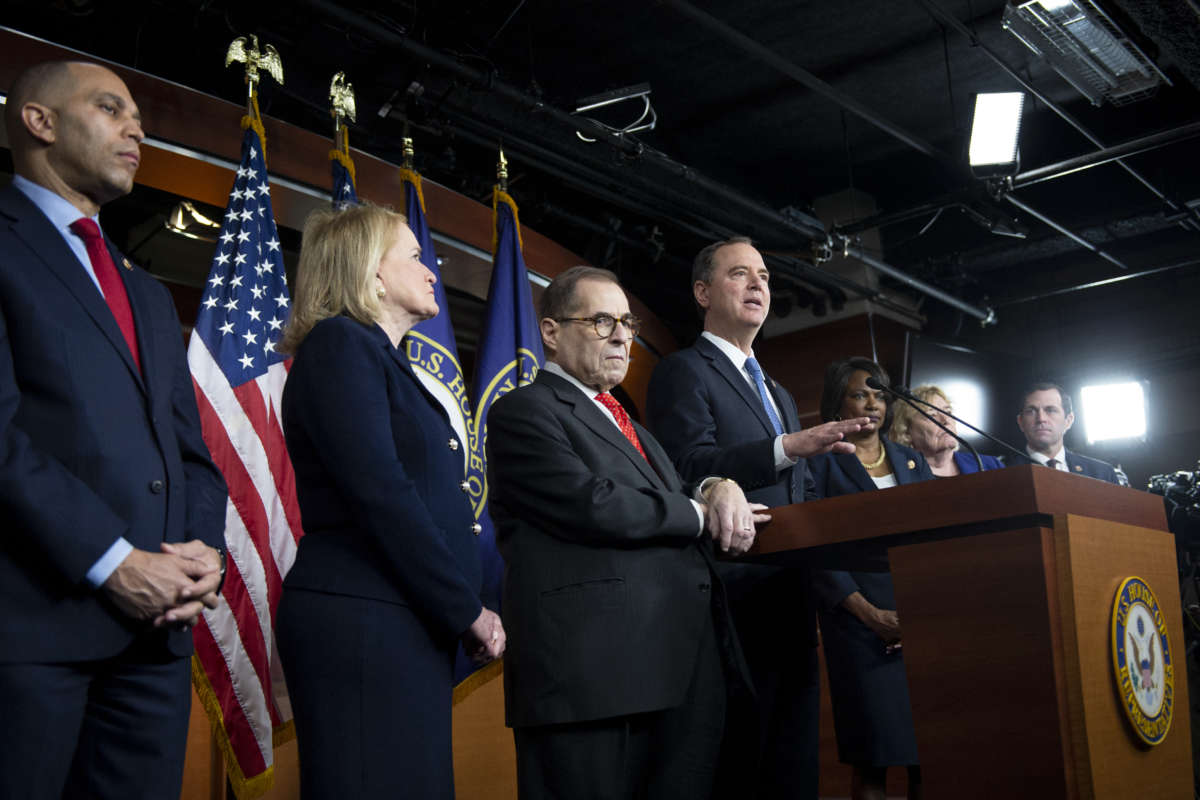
994	131
1113	411
186	221
1086	47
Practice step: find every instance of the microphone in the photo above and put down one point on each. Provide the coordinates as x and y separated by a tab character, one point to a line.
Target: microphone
911	399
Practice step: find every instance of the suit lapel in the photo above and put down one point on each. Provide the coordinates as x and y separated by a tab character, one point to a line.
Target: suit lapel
854	471
736	381
586	412
900	461
44	241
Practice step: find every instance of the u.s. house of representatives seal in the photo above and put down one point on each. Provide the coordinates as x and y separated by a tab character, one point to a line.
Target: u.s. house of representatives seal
1142	662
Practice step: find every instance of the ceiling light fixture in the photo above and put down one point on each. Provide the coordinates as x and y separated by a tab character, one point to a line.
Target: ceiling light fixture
184	218
645	122
1086	47
995	129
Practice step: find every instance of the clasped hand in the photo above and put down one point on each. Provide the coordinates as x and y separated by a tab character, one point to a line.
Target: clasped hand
170	587
730	519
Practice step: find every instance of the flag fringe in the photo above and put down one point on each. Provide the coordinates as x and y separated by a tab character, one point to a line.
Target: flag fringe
414	178
254	120
501	196
341	153
245	788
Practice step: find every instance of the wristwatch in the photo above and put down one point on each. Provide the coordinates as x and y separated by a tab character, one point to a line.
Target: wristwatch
224	564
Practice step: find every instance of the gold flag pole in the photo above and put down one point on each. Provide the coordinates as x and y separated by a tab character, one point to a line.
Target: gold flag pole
502	171
267	60
341	102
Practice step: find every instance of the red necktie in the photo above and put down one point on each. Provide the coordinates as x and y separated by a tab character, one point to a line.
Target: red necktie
111	285
608	401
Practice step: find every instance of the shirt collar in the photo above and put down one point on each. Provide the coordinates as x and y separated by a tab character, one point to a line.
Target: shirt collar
731	350
56	207
1060	456
554	369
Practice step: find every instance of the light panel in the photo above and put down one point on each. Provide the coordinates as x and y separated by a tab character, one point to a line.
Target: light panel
994	130
1113	411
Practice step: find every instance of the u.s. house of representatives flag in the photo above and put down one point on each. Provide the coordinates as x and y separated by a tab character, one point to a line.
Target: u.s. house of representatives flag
510	355
238	378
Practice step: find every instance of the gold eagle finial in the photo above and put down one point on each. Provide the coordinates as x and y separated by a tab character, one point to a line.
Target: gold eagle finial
341	97
267	59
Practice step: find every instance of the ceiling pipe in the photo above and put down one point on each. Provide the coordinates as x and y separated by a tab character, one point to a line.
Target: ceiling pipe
937	12
1191	262
804	77
1088	160
801	224
986	316
1073	237
808	227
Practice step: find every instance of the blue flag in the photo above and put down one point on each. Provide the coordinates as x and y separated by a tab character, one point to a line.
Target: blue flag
433	354
344	193
510	355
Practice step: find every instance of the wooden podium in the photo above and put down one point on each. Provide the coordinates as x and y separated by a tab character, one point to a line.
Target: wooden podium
1005	582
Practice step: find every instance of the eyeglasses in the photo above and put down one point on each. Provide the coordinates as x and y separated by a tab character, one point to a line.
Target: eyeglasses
605	324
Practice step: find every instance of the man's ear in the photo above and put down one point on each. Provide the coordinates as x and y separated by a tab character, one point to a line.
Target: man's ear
40	121
1070	421
700	292
550	330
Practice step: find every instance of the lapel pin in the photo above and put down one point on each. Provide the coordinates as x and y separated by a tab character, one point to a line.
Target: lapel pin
125	263
1078	468
912	464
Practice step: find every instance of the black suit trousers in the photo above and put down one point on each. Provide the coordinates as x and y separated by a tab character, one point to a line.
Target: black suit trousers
658	755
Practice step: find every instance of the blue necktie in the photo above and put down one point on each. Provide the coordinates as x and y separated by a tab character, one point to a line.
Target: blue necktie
756	373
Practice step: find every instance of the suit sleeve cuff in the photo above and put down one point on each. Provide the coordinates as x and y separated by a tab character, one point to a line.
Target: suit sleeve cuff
108	563
782	460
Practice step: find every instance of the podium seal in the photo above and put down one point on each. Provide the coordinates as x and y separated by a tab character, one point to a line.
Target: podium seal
1142	662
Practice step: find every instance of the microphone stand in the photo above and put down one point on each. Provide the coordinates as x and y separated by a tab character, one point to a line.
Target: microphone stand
912	399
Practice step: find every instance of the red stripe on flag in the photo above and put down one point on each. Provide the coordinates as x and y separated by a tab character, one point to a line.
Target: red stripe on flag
245	497
242	741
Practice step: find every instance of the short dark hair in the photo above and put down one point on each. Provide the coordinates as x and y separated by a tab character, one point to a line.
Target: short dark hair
34	84
558	300
702	267
1045	386
837	378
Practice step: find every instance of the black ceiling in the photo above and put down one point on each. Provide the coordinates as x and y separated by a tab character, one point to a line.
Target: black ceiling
732	110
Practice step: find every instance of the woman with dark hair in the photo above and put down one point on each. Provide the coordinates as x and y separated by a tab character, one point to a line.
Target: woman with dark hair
860	629
386	580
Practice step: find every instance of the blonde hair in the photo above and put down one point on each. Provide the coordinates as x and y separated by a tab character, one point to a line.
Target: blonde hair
902	423
336	275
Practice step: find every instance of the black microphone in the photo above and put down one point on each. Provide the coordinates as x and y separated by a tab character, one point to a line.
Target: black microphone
911	399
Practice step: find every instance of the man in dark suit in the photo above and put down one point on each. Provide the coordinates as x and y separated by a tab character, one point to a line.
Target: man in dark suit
112	507
716	412
1046	415
614	681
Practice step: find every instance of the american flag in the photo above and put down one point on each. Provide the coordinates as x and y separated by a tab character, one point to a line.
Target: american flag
238	377
342	164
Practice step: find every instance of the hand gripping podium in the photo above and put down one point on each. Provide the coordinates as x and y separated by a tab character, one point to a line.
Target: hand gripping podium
1005	582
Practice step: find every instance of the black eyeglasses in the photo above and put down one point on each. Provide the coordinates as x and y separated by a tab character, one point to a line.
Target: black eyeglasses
605	324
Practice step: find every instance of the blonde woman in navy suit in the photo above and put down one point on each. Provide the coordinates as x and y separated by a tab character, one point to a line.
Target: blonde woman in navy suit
860	629
386	580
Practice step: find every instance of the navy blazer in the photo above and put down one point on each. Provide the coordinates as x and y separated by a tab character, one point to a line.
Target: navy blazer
91	448
1091	467
837	474
713	423
607	585
380	480
967	463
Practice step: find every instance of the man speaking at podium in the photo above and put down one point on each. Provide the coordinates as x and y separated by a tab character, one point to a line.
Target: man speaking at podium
717	413
110	503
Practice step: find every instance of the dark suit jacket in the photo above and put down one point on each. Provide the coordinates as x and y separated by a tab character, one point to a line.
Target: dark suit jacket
712	423
379	478
607	584
837	474
91	449
1091	467
967	463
